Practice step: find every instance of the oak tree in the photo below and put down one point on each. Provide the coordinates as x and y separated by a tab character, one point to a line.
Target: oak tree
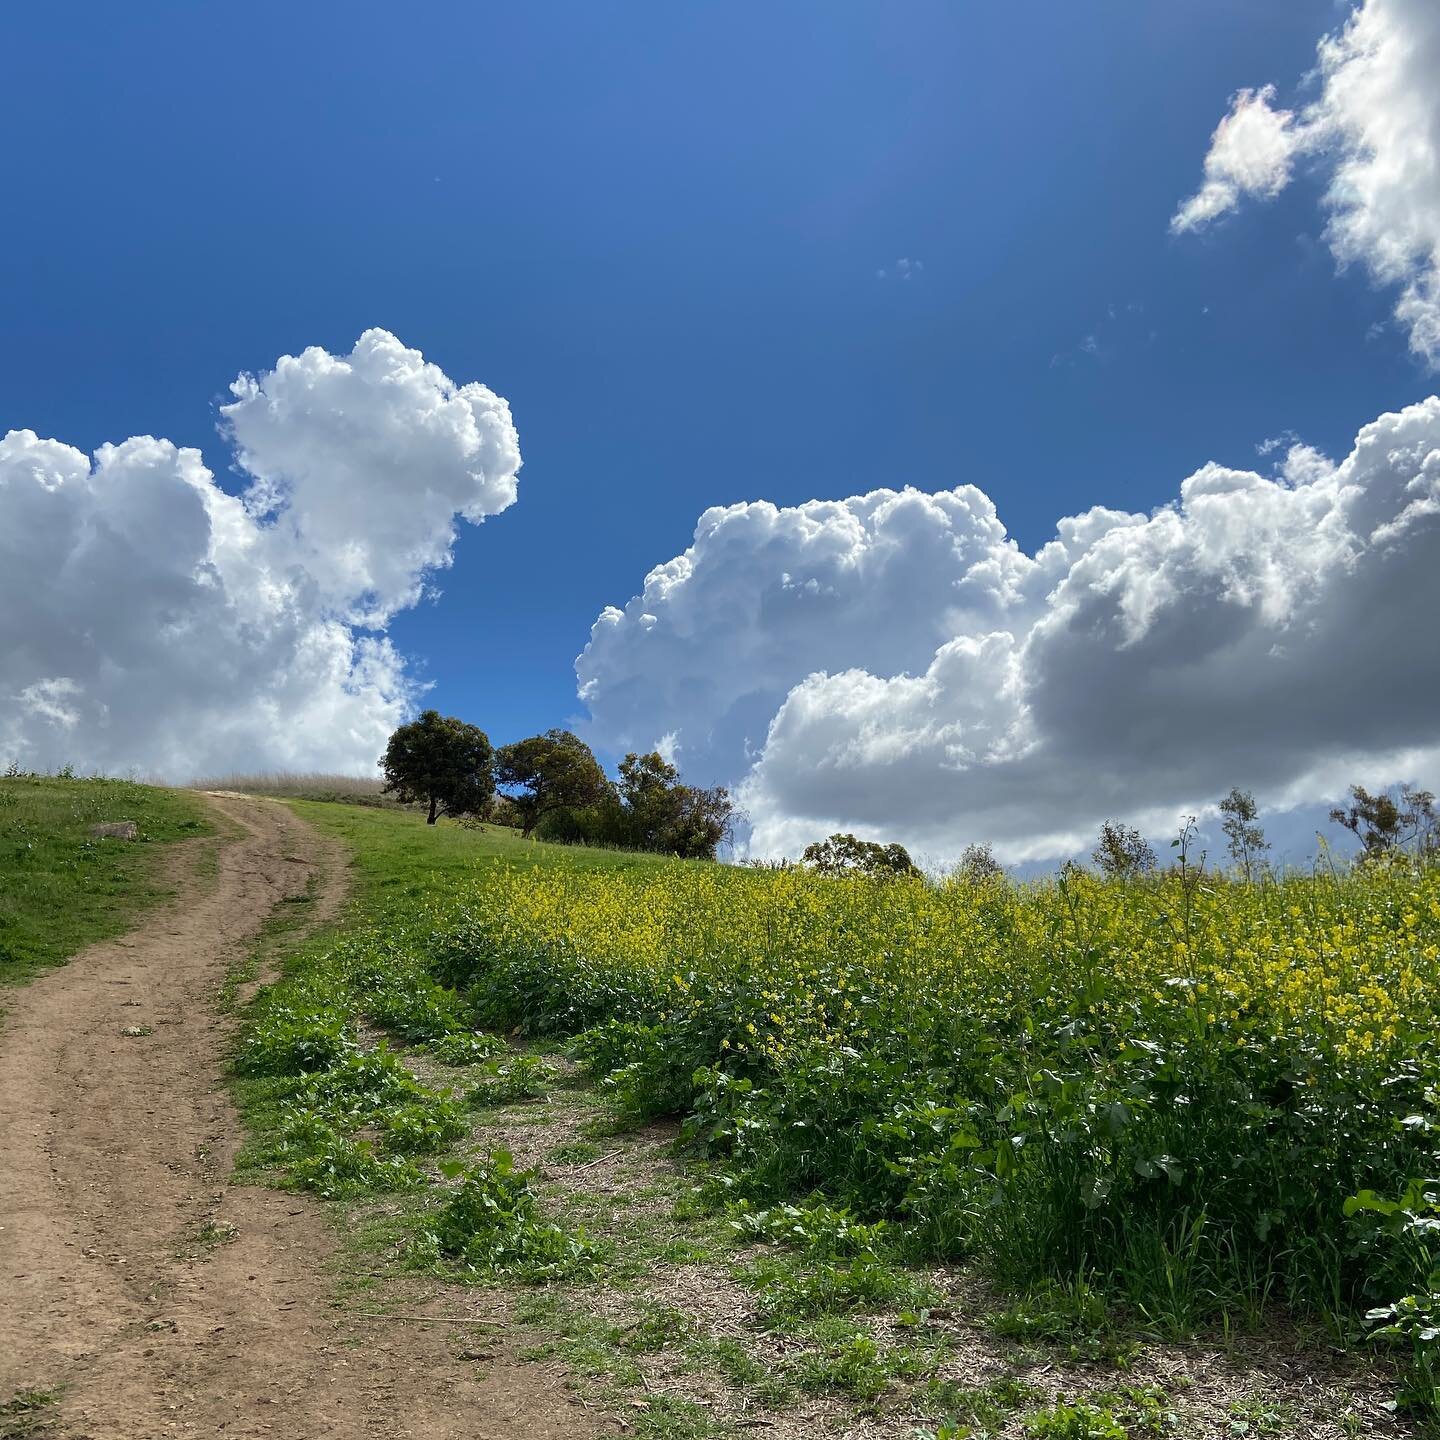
549	772
660	812
441	762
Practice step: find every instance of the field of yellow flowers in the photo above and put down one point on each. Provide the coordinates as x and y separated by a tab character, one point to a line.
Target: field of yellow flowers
1209	1095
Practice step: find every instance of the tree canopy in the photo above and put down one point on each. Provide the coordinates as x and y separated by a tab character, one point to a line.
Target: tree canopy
846	854
549	772
1243	835
1122	851
648	808
1383	822
441	762
978	865
662	813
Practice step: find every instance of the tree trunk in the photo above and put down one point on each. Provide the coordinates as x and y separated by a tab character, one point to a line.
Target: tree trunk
430	819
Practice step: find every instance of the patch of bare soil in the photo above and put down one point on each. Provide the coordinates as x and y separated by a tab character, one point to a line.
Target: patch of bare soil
152	1296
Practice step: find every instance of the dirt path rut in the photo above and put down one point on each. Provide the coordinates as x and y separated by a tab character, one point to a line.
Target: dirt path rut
115	1153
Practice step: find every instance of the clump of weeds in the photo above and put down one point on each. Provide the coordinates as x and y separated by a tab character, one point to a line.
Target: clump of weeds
490	1228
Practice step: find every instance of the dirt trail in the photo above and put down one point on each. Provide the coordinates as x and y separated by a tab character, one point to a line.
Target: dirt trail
115	1153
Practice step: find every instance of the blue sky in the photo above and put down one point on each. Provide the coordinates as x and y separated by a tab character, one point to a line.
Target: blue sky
720	254
656	230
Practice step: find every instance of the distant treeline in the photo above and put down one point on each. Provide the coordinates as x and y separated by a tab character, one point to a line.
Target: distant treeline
1387	823
552	786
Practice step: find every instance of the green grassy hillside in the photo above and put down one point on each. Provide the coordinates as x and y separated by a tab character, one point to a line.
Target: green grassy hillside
59	888
400	860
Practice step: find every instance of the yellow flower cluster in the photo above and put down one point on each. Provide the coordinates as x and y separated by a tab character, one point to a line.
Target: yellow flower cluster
1342	969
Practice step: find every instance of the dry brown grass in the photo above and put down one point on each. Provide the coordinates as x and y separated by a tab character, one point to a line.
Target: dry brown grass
306	785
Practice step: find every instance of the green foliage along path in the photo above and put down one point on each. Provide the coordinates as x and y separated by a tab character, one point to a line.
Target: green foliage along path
1127	1111
60	889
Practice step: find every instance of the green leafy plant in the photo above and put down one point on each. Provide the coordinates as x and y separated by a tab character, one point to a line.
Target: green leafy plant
422	1126
1256	1416
969	1407
854	1362
658	1328
466	1047
336	1166
358	1085
1075	1422
1055	1313
287	1040
1406	1233
502	1082
796	1288
489	1226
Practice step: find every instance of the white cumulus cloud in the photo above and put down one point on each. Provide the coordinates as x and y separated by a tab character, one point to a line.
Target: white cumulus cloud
1375	128
896	665
150	620
1250	154
721	633
361	463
